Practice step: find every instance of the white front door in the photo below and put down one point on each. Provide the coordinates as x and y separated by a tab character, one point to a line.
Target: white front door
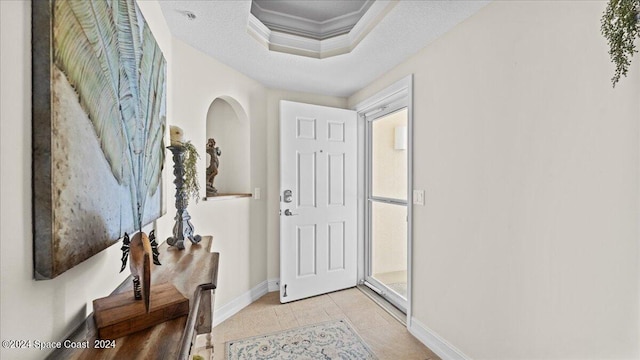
318	164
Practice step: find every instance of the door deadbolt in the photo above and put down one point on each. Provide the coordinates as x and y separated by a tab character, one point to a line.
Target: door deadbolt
288	196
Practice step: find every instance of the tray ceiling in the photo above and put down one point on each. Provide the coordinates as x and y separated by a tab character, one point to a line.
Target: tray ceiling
313	19
219	29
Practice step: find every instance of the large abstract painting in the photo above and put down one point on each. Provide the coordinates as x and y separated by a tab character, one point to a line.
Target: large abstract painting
98	128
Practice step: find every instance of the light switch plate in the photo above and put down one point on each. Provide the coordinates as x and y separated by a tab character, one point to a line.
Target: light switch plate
418	197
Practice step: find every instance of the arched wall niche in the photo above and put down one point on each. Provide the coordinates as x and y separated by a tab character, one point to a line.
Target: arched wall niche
228	124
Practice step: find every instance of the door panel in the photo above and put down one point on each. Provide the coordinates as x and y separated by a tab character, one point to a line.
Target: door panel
306	128
337	179
336	246
336	131
306	245
318	244
306	174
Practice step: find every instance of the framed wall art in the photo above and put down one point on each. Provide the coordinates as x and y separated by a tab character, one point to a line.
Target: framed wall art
99	98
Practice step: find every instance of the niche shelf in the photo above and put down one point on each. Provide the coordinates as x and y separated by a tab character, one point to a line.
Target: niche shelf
229	125
227	197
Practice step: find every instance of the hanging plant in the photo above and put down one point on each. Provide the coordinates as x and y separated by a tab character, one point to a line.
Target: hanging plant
191	187
621	26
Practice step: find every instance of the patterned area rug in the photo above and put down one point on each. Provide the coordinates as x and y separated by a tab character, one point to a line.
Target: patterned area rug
329	340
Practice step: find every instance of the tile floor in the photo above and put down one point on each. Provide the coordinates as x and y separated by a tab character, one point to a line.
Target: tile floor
385	336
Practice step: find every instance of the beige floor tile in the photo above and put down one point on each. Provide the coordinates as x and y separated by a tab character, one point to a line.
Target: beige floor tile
259	318
310	312
283	309
364	320
218	351
259	306
288	323
286	317
322	317
345	297
232	322
310	303
353	301
339	316
234	334
332	309
387	338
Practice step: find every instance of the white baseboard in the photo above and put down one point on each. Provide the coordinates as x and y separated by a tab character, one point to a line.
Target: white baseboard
433	341
239	303
274	284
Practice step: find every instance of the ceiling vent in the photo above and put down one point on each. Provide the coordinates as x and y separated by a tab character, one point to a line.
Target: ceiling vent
317	29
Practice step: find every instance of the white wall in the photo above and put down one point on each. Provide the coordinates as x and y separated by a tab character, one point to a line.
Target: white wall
238	226
37	310
49	310
206	79
527	246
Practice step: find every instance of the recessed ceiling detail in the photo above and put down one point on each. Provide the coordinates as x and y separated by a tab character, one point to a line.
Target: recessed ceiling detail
317	20
220	31
317	29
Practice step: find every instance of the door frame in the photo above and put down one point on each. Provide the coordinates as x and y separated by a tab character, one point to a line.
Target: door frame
377	103
376	284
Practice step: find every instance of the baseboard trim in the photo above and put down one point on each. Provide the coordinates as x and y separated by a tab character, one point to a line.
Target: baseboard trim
239	303
433	341
274	284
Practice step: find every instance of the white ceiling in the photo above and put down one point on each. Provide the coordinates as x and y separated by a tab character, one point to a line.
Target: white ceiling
220	30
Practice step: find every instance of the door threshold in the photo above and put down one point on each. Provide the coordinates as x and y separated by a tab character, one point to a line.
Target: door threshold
384	304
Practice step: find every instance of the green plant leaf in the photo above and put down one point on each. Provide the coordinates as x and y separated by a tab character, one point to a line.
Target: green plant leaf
191	186
620	26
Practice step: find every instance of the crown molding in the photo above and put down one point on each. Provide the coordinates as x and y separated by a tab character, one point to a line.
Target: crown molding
301	26
290	43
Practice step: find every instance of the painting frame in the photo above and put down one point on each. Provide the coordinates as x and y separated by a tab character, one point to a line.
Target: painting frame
75	215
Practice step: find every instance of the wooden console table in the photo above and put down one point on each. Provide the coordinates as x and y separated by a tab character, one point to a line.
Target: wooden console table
194	272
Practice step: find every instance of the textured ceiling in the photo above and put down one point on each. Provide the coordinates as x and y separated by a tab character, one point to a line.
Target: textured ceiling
220	30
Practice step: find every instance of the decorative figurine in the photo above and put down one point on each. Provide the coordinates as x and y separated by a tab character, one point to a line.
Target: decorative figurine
142	249
214	163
